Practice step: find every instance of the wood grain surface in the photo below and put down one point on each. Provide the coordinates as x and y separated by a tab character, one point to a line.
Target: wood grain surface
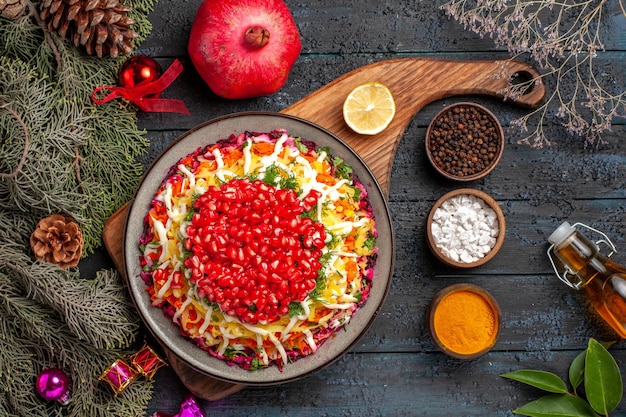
395	370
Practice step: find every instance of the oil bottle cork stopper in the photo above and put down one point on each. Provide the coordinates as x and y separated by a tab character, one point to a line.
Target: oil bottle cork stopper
561	233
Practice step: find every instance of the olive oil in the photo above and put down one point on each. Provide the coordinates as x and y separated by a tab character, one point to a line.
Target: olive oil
586	269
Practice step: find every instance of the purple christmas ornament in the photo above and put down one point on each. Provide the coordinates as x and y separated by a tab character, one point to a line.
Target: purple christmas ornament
189	408
53	385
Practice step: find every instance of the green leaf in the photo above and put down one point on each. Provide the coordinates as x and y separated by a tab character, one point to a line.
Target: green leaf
557	405
546	381
603	382
576	370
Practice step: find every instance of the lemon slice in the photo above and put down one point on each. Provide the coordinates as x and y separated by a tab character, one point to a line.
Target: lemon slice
369	108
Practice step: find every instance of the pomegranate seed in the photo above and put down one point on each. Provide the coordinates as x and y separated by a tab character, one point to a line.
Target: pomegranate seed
252	253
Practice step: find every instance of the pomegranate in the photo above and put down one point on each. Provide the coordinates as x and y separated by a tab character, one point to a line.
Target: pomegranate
244	48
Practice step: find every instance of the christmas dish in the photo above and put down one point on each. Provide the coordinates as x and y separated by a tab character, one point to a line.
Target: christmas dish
259	247
264	249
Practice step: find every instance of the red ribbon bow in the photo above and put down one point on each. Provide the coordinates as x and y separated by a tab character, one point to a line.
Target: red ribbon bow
146	95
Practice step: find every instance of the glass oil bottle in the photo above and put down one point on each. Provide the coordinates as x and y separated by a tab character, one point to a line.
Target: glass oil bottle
579	263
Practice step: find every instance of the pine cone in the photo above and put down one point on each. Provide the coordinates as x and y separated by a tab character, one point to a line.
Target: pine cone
11	9
101	27
58	240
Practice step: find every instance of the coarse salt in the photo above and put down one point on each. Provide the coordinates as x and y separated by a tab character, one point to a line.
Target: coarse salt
464	228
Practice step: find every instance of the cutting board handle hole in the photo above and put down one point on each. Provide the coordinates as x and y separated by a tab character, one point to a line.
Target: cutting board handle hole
523	80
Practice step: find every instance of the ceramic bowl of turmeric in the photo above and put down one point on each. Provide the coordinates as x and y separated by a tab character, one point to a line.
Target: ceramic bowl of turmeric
464	321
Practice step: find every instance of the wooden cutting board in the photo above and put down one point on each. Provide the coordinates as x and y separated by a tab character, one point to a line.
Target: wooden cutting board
414	83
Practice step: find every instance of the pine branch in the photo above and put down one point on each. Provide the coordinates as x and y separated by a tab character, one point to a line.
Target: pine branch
15	229
16	369
59	154
32	321
96	310
33	12
38	328
60	128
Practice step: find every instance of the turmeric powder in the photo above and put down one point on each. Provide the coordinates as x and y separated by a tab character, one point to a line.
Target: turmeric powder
465	322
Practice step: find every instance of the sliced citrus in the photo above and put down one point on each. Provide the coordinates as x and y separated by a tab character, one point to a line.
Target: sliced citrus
369	108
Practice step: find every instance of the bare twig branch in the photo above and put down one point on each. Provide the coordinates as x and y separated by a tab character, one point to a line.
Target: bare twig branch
33	12
563	38
22	160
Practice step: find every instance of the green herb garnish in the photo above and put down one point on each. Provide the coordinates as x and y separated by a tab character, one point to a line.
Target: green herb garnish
342	170
295	309
370	241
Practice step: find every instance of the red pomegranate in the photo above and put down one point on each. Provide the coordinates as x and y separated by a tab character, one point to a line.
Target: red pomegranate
244	48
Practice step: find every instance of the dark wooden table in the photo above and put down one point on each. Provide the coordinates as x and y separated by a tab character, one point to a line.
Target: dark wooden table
395	369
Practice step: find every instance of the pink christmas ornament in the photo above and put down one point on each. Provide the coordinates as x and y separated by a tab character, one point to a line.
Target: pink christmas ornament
53	385
119	376
189	408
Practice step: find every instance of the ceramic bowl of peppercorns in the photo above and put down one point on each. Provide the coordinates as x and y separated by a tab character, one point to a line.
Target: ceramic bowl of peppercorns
465	141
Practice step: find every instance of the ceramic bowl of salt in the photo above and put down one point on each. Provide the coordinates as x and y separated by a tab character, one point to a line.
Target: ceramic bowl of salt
465	228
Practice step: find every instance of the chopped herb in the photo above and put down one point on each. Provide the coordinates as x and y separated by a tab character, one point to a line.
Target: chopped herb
255	364
230	352
295	309
324	149
252	307
324	259
342	170
184	255
370	241
272	175
290	183
335	239
189	215
301	146
252	176
311	214
358	296
320	281
320	285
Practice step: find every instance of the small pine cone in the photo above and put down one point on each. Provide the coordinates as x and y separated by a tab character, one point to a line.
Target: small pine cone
58	240
11	9
100	27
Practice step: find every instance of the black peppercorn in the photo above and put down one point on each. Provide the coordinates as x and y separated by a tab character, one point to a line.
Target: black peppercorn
464	140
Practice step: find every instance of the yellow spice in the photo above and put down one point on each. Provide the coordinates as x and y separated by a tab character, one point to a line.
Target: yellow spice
465	322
